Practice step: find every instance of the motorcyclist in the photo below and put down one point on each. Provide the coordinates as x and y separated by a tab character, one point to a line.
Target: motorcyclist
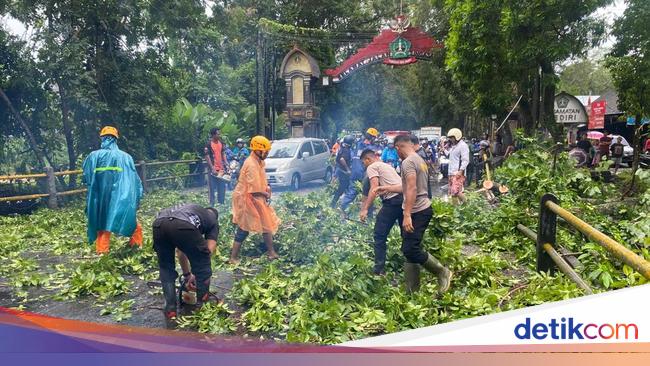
389	155
240	152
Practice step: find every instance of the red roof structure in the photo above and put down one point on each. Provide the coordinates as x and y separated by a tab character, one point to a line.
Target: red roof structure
378	50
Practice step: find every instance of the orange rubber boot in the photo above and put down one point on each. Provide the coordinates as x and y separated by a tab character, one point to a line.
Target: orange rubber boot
136	237
102	244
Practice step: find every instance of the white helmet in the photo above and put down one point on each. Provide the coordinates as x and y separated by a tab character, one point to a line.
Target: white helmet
455	132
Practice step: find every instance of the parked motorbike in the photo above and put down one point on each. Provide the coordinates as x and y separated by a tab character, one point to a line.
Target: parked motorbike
234	167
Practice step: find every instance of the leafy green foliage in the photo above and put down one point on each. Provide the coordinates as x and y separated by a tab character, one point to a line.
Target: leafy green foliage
213	318
121	311
103	285
585	77
500	50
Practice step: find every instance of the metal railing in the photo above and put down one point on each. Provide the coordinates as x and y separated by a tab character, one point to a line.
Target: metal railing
52	193
548	257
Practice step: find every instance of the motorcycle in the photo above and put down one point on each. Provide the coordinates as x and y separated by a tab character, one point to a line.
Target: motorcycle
234	167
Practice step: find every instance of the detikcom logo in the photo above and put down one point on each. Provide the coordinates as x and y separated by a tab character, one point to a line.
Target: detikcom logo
568	328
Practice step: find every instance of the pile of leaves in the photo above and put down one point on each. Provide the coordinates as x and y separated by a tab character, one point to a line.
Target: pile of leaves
322	289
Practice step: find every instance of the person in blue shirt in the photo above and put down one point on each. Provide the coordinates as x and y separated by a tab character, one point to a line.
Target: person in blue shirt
229	154
240	152
389	155
358	173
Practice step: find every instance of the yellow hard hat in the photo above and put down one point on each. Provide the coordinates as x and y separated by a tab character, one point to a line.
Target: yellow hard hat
372	132
455	132
109	130
260	143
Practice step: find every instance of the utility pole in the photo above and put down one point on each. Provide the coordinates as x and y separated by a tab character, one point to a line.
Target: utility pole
259	78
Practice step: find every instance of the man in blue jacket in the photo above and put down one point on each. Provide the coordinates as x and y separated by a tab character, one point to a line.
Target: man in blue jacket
389	155
114	193
359	171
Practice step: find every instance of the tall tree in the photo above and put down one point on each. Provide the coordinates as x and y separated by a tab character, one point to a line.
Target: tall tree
585	77
506	48
629	63
23	103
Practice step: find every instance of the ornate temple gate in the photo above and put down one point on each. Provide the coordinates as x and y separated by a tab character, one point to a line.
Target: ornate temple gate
300	71
399	45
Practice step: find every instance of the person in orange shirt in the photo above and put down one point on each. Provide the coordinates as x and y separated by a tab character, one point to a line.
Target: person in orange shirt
251	211
336	146
215	156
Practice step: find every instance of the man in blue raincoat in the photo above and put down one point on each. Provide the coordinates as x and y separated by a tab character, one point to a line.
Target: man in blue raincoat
114	193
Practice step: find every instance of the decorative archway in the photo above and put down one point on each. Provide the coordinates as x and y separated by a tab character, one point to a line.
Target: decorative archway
399	45
299	71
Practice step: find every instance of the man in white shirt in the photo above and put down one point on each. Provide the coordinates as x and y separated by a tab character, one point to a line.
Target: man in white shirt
458	161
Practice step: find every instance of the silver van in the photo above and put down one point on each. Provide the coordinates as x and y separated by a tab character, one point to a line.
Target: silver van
294	161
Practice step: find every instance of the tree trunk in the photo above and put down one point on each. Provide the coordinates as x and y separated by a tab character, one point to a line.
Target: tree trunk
547	104
30	137
556	129
534	103
526	118
67	132
636	144
259	76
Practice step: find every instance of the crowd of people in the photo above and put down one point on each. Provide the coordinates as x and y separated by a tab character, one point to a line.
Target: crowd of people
445	157
590	152
398	172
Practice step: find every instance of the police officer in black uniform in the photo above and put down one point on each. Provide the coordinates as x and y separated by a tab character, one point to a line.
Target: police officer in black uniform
191	231
343	168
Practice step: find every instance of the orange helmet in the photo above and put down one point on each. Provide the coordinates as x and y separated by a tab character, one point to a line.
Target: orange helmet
260	143
372	132
109	130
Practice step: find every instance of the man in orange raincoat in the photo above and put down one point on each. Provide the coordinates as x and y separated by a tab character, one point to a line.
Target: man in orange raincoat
251	211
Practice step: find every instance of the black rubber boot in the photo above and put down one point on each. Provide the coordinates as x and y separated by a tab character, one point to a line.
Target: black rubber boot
171	306
412	277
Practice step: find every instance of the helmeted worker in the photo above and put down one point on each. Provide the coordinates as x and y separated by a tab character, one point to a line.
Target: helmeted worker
458	161
191	231
251	211
114	193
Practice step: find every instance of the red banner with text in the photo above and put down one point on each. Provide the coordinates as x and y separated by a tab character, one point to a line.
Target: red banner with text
597	115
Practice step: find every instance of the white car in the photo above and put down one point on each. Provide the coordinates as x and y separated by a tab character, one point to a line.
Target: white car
294	161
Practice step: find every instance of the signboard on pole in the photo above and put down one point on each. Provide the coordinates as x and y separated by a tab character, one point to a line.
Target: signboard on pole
597	115
631	121
568	109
